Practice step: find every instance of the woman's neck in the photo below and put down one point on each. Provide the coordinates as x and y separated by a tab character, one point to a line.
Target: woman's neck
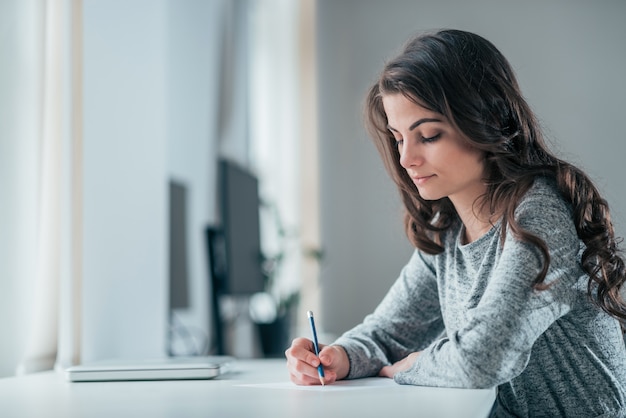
477	222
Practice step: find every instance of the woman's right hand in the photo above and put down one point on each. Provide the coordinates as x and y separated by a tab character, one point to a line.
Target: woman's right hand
302	362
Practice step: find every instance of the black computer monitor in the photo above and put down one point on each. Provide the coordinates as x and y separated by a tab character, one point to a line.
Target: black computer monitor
178	254
240	229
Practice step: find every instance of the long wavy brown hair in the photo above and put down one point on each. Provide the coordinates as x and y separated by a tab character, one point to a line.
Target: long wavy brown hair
465	78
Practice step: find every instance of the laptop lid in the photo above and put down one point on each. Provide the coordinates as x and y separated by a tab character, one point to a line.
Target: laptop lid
168	368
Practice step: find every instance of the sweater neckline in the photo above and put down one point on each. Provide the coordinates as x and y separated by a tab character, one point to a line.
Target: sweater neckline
486	237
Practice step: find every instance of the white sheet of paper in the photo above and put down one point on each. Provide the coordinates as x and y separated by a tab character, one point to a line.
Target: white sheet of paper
356	384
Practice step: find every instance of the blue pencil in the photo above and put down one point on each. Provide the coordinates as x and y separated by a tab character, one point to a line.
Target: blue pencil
320	369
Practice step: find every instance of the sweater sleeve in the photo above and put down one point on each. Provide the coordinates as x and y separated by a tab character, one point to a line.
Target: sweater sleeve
496	338
408	317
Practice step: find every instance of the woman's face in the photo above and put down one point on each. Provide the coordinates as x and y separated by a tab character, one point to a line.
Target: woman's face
433	153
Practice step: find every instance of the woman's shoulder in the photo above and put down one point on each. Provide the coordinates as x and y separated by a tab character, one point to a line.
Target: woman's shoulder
543	207
543	194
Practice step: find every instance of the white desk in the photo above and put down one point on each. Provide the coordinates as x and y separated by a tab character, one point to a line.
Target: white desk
49	395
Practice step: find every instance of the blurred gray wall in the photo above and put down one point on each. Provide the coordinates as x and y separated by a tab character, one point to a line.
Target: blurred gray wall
125	100
570	60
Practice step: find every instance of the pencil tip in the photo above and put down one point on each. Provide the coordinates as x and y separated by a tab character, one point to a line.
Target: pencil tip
323	381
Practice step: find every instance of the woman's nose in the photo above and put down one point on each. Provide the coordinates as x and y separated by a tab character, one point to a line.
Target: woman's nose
410	155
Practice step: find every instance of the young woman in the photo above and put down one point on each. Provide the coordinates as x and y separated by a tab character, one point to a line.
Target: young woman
515	281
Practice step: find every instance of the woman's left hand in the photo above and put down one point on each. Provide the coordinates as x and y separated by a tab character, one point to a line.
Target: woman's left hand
399	366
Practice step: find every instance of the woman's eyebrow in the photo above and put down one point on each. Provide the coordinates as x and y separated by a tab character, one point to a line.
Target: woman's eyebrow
424	120
416	123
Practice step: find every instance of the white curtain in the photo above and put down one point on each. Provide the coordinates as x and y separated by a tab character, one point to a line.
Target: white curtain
284	138
20	54
53	336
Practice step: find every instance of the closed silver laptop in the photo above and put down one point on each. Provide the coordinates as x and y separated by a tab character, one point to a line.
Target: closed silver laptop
168	368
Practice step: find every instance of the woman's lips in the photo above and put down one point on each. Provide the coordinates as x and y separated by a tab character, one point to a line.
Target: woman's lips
419	180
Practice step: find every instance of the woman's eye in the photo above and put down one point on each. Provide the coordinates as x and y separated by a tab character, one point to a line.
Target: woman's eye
399	142
433	138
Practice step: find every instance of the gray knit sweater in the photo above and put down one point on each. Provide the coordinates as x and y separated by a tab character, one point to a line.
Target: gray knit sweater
479	324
